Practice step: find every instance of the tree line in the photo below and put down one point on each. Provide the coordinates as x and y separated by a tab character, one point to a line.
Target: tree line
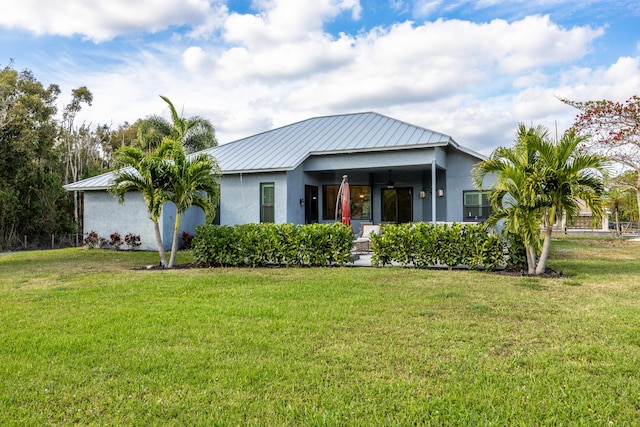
43	147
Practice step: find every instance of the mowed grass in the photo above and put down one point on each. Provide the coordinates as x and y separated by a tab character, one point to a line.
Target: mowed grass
86	339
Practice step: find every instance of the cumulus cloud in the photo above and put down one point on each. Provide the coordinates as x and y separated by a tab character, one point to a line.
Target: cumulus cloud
472	80
100	21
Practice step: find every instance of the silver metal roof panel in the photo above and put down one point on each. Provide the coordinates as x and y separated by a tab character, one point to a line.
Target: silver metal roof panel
287	147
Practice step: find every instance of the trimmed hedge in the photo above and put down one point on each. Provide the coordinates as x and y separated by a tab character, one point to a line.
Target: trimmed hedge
428	245
257	245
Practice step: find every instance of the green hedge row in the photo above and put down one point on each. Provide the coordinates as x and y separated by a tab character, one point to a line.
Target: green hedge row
428	245
272	244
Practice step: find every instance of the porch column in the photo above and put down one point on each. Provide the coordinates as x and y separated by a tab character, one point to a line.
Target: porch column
433	191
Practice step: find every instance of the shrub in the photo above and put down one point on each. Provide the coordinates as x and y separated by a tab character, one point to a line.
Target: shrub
259	245
92	240
132	240
428	245
115	241
187	239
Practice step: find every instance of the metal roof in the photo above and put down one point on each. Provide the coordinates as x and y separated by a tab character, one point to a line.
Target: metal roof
285	148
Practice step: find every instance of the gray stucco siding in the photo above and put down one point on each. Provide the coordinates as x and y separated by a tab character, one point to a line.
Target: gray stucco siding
240	197
458	180
104	215
372	160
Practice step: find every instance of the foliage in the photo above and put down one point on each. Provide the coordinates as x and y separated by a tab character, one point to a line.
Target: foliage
115	240
187	181
144	174
427	245
259	245
92	240
516	252
536	183
614	131
32	200
187	239
621	199
195	133
132	241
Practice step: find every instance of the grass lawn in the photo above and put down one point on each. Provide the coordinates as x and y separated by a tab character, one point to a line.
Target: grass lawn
86	339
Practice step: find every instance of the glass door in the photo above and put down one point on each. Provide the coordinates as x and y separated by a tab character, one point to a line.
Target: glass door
397	205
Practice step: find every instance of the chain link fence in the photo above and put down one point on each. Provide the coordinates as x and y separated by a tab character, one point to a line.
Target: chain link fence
52	241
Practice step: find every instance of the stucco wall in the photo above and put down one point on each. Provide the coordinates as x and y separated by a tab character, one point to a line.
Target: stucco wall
103	214
240	197
458	181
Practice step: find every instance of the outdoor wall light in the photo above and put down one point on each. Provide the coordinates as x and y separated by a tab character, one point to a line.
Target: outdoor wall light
301	202
423	194
440	192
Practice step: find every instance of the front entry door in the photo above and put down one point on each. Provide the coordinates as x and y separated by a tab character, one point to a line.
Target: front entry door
397	205
310	204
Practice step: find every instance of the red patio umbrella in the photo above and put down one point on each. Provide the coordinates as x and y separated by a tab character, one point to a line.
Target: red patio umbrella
344	199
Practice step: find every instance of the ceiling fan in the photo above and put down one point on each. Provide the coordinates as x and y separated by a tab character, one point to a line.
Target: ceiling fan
390	183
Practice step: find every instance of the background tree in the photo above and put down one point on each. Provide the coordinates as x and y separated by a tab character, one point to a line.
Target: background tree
621	199
74	142
32	200
614	129
195	133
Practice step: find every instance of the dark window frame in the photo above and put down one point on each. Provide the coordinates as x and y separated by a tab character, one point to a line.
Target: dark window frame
473	212
267	209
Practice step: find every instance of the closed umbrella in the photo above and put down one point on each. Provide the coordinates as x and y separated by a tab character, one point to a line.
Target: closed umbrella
344	201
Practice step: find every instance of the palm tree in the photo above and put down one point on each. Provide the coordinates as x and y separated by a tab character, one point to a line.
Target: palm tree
196	133
515	197
536	182
567	176
143	174
189	181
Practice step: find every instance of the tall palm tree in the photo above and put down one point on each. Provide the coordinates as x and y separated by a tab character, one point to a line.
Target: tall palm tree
515	198
189	181
567	176
196	133
143	174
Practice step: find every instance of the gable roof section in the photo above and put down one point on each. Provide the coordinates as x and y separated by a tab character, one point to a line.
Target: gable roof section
285	148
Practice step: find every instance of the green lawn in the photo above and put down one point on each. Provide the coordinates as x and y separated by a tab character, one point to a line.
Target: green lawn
88	340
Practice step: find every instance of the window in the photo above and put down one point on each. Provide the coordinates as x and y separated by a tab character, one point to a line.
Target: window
267	202
476	205
360	201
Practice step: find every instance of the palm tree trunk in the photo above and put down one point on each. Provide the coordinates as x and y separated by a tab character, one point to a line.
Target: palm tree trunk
163	257
546	247
174	244
531	259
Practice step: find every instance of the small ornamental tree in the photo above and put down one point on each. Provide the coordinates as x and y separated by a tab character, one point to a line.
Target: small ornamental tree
614	129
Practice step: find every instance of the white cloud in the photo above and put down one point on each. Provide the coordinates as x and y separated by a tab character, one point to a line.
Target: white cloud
285	21
473	81
104	20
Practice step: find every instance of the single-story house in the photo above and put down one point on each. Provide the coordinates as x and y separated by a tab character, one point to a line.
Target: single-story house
397	173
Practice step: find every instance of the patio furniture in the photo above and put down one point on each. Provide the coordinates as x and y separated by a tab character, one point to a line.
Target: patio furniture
362	241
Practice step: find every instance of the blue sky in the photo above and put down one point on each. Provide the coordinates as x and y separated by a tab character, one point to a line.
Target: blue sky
471	69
